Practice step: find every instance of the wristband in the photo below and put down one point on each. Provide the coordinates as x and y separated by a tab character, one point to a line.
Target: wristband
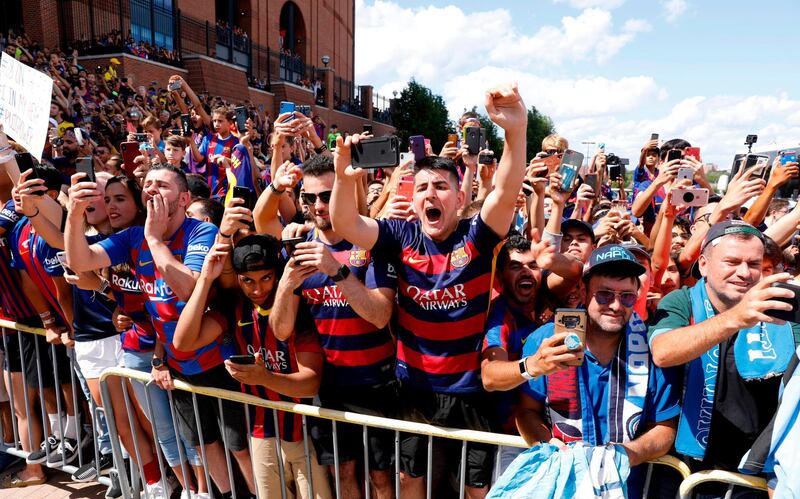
321	149
275	189
555	239
523	369
35	214
225	236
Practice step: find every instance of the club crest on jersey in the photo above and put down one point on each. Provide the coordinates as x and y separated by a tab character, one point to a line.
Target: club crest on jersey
358	258
459	257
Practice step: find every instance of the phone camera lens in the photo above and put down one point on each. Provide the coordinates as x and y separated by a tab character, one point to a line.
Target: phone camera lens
688	197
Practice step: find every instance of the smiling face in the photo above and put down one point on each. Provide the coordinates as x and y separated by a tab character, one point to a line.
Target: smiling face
521	277
436	202
732	267
257	285
578	243
319	210
120	206
609	319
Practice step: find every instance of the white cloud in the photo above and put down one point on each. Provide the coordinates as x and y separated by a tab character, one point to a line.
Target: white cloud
588	4
673	9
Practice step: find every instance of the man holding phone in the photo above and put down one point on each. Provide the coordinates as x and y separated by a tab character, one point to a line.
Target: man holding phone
553	402
721	331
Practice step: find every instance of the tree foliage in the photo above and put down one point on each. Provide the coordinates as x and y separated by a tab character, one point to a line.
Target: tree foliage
539	126
418	111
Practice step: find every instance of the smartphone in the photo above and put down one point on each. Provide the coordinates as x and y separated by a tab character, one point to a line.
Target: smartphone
185	130
25	163
760	160
591	181
140	137
483	139
78	136
486	159
305	110
602	147
573	322
286	107
792	315
570	164
241	118
406	156
674	154
175	131
417	145
405	187
472	138
368	128
689	197
693	152
788	157
615	172
653	136
291	242
129	152
453	137
174	86
86	165
376	152
685	173
246	195
62	259
552	161
243	359
527	187
620	206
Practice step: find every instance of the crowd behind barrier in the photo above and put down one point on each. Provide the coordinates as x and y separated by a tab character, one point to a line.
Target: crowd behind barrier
240	305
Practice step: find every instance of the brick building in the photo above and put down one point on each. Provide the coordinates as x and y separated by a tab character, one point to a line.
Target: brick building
266	51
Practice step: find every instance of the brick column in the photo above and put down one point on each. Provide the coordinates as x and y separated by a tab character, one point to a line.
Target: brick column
366	100
329	74
40	19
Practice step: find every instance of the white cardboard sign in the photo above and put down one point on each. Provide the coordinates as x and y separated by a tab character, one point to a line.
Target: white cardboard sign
24	104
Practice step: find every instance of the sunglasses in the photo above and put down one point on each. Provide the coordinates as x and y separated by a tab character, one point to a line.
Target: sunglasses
605	297
311	198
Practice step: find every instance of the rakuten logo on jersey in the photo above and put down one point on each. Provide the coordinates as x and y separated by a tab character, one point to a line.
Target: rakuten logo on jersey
438	299
128	284
328	296
157	291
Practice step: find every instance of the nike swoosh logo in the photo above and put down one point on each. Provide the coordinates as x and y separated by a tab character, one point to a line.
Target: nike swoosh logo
245	323
142	264
416	261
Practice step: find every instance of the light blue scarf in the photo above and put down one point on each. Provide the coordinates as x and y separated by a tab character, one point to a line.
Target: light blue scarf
761	352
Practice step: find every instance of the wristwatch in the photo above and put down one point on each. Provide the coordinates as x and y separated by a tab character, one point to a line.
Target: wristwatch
321	149
105	287
523	369
342	274
156	362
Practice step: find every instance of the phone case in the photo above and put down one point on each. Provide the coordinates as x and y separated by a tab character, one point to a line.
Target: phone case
472	138
571	320
85	165
245	194
378	152
685	173
792	315
417	145
405	187
129	152
241	118
570	164
693	152
689	197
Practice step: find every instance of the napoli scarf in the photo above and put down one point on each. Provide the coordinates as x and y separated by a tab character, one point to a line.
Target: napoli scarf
761	352
573	420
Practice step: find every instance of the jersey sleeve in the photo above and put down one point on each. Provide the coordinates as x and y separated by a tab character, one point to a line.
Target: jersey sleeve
118	246
380	273
496	329
673	312
198	244
307	340
663	394
390	236
8	217
482	236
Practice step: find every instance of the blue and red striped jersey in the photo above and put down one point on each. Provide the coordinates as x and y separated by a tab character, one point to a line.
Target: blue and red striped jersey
14	303
240	173
443	295
253	334
507	328
141	337
356	351
216	174
29	252
189	244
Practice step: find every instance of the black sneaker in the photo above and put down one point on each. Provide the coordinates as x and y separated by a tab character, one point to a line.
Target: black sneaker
88	472
48	448
114	490
67	452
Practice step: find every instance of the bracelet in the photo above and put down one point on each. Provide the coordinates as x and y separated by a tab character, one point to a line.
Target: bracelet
35	214
321	149
275	189
225	236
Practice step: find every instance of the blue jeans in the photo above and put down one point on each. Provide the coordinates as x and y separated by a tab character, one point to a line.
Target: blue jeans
162	418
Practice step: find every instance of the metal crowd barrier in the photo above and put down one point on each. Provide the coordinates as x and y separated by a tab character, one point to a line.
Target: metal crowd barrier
732	479
76	397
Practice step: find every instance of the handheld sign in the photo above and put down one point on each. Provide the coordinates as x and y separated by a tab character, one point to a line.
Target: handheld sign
24	104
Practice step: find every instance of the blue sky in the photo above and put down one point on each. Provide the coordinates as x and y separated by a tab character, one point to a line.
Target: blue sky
611	71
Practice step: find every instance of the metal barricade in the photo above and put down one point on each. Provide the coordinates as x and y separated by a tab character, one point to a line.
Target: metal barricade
25	394
732	479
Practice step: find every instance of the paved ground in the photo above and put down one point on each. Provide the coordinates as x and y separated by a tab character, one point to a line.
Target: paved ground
58	486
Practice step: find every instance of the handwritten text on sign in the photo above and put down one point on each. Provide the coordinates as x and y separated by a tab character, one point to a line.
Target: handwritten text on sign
24	104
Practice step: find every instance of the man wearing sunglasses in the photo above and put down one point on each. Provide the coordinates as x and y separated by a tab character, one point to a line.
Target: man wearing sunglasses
350	294
616	394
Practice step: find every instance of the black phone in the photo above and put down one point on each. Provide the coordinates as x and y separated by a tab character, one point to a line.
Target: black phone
86	165
376	152
483	139
243	359
185	125
653	136
175	131
291	242
615	172
486	159
247	195
674	154
25	163
241	118
472	137
367	128
140	137
792	315
591	181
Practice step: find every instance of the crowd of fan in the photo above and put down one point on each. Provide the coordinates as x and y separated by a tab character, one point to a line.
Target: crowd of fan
426	292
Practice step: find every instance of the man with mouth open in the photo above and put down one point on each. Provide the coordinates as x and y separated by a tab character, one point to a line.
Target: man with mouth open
444	276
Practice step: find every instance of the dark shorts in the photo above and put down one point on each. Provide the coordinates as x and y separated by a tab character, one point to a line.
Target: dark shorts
378	400
11	348
208	410
54	361
468	411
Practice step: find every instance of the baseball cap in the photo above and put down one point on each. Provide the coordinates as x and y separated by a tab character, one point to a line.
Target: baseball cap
614	258
727	227
637	249
574	223
255	252
114	60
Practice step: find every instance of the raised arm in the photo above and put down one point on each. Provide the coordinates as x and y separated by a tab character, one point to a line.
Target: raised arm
506	108
265	213
347	222
81	257
779	176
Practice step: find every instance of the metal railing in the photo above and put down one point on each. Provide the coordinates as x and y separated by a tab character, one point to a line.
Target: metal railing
732	479
381	109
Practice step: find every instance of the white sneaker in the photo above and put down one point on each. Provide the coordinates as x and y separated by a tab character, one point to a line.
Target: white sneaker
156	491
202	495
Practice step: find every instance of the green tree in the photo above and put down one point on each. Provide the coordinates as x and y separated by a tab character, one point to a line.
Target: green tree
418	111
539	126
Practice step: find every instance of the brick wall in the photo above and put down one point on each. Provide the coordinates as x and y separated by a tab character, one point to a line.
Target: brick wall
141	70
40	19
217	78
